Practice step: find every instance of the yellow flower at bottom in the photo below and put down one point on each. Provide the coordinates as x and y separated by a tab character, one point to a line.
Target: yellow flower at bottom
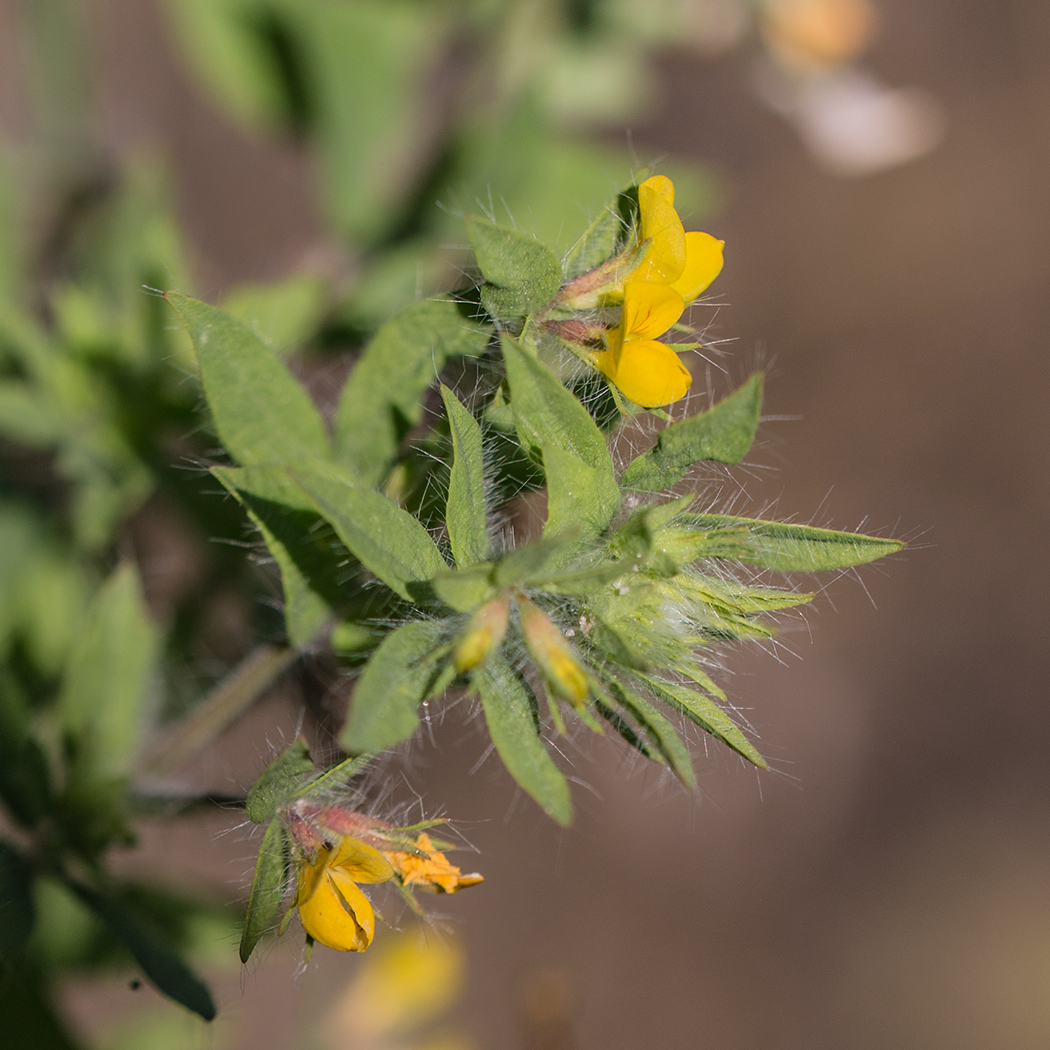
429	868
332	909
648	372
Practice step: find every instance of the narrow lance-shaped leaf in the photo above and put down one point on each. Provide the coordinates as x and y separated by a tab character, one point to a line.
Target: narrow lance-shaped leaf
261	413
387	540
384	709
383	398
546	413
513	724
465	508
771	544
165	970
268	888
723	433
521	275
658	729
105	685
705	713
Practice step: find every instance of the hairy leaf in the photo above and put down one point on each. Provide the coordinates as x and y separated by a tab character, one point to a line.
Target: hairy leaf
521	275
261	413
465	509
723	433
770	544
513	724
278	782
383	398
268	887
387	540
385	705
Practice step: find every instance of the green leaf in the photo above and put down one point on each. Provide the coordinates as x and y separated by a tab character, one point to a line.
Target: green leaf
105	686
17	909
705	713
513	723
261	413
268	887
364	65
521	275
465	589
387	540
165	970
658	729
465	510
723	433
547	414
309	556
578	498
771	544
395	681
383	398
279	782
738	598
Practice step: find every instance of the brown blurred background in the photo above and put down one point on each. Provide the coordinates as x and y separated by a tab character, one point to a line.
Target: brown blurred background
889	884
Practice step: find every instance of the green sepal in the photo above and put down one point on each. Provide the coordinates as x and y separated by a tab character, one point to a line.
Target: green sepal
770	544
465	515
512	717
268	887
521	275
723	434
385	705
383	398
261	413
279	782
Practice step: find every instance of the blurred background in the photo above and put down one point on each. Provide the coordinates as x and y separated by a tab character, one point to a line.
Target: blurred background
880	182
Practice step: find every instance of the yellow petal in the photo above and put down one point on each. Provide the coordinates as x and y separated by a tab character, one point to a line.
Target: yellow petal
649	309
703	263
659	223
334	911
363	863
650	373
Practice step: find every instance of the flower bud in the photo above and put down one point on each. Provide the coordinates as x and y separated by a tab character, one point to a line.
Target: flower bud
553	654
484	633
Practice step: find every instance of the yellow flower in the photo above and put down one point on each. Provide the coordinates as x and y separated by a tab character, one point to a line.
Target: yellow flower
332	909
648	372
685	262
429	868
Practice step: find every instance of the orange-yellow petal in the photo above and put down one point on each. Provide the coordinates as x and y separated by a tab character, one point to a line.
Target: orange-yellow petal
649	309
659	223
431	869
703	263
332	909
363	863
649	373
